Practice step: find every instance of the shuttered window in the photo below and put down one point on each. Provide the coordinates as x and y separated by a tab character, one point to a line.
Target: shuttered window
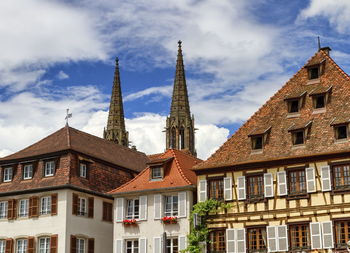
132	209
256	238
299	237
54	204
44	244
310	180
341	177
297	182
342	234
80	245
216	189
316	235
132	246
21	246
255	187
282	183
34	206
171	205
3	210
217	241
268	185
241	188
326	178
45	205
202	190
172	245
107	211
277	238
228	188
54	244
23	209
9	245
327	235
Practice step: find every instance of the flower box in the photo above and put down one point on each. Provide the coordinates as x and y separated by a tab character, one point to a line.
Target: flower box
131	222
169	220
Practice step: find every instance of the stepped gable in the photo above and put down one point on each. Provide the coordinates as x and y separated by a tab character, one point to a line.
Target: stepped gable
273	115
177	173
68	138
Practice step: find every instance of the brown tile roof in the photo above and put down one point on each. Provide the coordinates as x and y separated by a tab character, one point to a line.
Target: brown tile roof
69	138
177	174
237	149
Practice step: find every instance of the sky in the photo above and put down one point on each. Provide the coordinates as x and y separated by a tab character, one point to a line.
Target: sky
56	55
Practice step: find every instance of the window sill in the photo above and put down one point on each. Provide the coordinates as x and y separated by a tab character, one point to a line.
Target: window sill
341	141
256	200
298	146
256	151
297	196
319	110
313	81
293	115
340	191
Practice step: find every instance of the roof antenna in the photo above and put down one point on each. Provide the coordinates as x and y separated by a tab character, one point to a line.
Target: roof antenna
318	43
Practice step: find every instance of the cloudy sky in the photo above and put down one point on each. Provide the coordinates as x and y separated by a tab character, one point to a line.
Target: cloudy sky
60	54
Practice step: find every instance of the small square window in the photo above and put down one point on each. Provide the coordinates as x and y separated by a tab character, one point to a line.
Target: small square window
341	132
293	106
314	73
257	142
83	170
157	173
27	171
319	101
298	137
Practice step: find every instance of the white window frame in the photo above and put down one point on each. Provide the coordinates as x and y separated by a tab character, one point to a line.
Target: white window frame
134	214
45	205
21	246
27	171
8	174
174	205
2	246
160	171
171	246
49	170
133	247
44	244
81	245
3	210
83	170
23	208
82	206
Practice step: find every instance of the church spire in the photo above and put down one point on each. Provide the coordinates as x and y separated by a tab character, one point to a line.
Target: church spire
180	124
115	125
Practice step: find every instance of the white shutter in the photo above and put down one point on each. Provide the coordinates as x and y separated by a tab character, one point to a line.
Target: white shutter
310	180
271	238
157	245
315	230
119	246
282	236
203	247
327	235
326	178
241	188
202	190
157	206
182	204
143	207
143	245
268	185
240	238
120	209
228	188
182	242
282	183
231	240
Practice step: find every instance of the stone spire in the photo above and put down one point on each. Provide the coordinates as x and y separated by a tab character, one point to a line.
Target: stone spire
116	125
180	125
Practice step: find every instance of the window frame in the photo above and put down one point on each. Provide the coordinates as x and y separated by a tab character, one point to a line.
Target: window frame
291	239
133	247
135	212
47	203
23	213
342	187
315	101
30	175
52	169
83	167
254	142
254	197
170	247
219	192
47	244
173	211
24	248
347	235
248	230
79	248
336	133
295	137
4	209
290	105
298	182
220	245
310	72
82	208
7	177
157	177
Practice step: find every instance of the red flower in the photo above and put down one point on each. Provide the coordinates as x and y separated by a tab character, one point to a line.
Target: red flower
169	219
129	222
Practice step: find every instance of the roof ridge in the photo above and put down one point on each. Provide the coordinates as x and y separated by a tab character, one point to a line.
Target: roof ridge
179	167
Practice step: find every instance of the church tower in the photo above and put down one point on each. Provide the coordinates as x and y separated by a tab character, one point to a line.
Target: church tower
180	125
115	131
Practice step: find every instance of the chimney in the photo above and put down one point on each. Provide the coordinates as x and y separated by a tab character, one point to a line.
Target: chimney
326	50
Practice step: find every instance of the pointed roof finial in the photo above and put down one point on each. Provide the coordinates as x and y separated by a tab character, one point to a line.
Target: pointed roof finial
318	43
179	42
116	60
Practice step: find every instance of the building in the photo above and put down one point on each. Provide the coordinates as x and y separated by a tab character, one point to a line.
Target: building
53	194
286	171
157	202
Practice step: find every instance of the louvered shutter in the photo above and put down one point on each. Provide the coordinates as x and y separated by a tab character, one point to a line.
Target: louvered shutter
30	207
310	180
31	245
282	236
228	188
282	183
10	204
9	246
73	244
54	204
240	238
91	245
75	204
202	190
157	206
327	235
241	188
231	240
143	207
34	207
326	178
271	238
120	209
143	245
315	231
91	207
182	204
182	242
53	244
104	211
157	245
119	246
268	185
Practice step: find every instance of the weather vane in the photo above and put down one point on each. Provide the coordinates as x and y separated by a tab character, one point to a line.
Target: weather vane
68	115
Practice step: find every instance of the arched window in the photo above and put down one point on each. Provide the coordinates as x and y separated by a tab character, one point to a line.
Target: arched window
173	138
182	138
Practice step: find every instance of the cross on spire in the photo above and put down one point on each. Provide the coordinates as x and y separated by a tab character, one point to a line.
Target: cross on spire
68	115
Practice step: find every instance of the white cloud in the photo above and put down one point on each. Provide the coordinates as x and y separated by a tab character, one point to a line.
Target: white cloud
160	90
62	75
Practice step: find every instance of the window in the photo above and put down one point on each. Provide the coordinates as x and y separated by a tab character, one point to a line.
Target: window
81	245
45	205
133	209
49	168
314	73
299	237
2	246
172	245
297	182
293	105
83	170
319	101
3	210
132	246
255	187
341	132
8	173
44	245
157	173
341	177
257	142
21	246
216	189
171	205
298	137
82	203
23	208
256	240
217	241
27	171
342	234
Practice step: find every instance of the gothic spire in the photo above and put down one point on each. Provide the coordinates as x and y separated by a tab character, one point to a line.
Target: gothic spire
116	125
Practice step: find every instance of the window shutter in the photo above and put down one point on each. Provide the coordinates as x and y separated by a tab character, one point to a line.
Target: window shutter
327	232
91	245
75	204
73	244
34	206
54	204
14	210
109	212
231	240
31	245
203	247
241	188
271	238
310	180
91	207
228	188
240	236
182	204
9	246
120	209
182	242
119	246
282	236
104	211
30	207
143	207
10	204
53	243
268	185
202	190
157	246
143	245
326	178
282	183
157	207
315	231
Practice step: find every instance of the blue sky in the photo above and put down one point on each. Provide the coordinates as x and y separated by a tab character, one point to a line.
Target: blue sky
60	54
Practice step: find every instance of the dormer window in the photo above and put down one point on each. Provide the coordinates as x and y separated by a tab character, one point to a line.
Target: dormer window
295	101
27	171
299	132
49	169
293	106
157	173
298	137
259	137
319	101
257	142
314	72
83	169
8	174
341	132
320	97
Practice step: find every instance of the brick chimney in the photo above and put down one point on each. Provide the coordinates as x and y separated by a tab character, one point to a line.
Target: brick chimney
326	50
